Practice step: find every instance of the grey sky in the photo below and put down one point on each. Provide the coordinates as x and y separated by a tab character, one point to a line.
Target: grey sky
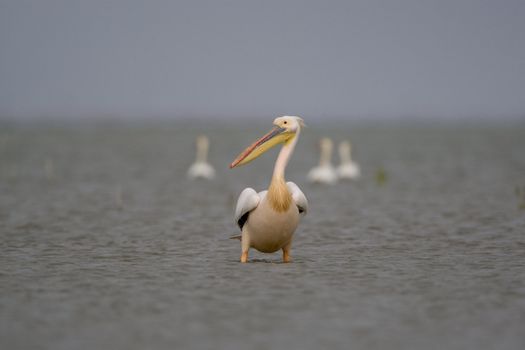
123	58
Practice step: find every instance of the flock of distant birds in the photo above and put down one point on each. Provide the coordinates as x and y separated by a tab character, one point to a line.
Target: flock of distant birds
269	218
324	173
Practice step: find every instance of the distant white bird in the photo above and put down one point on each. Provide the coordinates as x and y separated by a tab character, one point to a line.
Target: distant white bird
201	169
325	172
348	169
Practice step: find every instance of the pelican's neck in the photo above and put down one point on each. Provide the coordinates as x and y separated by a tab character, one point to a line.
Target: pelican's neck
326	154
202	150
345	153
284	156
278	194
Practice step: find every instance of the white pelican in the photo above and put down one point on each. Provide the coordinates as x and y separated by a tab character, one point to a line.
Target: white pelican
201	168
268	219
348	169
325	172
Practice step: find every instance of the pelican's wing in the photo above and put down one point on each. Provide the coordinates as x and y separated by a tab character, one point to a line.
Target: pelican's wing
248	200
298	197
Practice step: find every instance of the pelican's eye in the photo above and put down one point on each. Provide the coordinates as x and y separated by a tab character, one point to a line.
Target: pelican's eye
285	122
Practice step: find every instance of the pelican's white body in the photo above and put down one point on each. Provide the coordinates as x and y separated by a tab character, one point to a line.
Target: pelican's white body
267	230
201	170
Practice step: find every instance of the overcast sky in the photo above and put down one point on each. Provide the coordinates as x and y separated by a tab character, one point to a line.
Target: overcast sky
343	59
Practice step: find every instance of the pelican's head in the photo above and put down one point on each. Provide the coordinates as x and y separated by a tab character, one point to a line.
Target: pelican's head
289	122
284	130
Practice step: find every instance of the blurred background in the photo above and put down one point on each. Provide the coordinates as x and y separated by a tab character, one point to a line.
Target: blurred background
106	242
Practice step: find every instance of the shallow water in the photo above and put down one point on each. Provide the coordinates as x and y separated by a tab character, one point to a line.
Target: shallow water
105	244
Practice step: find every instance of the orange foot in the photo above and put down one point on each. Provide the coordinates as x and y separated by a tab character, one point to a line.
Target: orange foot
244	257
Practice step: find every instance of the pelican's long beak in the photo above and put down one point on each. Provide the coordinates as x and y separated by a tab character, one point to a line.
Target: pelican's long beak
276	136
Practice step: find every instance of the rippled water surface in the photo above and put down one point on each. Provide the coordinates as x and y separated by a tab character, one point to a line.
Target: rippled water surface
105	244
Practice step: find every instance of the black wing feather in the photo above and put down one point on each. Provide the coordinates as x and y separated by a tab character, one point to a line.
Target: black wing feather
242	220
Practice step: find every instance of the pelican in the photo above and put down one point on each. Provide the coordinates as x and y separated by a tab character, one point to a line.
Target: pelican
268	219
348	169
201	168
325	172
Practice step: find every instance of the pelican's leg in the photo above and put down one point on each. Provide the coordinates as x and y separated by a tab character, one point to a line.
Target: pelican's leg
286	252
245	246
